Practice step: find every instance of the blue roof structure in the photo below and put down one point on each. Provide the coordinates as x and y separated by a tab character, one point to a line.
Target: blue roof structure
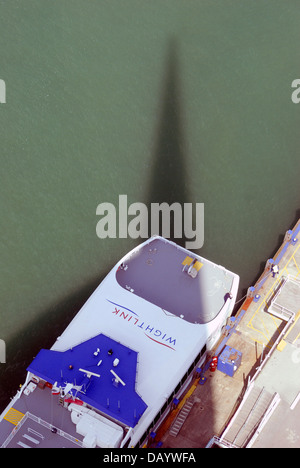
107	392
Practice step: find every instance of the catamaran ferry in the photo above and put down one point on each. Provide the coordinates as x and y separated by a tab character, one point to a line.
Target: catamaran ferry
111	378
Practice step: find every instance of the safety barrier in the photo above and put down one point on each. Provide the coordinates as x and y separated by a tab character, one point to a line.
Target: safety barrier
42	423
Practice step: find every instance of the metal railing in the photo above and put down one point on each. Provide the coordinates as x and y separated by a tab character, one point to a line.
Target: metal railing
42	423
265	418
280	310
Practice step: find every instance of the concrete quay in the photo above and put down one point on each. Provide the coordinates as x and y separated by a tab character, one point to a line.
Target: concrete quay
258	405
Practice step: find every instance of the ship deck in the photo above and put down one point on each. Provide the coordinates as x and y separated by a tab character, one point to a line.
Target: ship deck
38	421
159	273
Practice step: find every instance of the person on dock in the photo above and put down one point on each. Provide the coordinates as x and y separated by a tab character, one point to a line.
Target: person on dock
275	270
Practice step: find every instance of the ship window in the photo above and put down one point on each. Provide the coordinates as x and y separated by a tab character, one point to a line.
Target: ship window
191	367
164	407
126	445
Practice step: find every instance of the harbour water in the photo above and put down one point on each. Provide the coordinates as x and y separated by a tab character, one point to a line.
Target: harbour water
162	101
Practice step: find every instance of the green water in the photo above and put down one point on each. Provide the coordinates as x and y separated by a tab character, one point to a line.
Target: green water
167	100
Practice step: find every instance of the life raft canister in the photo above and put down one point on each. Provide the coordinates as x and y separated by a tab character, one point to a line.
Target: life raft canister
213	364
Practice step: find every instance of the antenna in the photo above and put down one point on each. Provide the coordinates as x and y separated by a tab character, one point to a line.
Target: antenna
89	373
118	379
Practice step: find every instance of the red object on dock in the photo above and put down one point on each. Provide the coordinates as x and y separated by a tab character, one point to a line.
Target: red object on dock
213	364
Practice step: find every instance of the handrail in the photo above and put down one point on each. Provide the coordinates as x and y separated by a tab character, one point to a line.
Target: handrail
264	419
250	413
43	423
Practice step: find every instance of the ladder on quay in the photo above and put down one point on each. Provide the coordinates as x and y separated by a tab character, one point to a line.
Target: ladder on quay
182	416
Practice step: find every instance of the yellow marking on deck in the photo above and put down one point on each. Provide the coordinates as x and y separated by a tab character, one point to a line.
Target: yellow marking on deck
281	345
187	261
13	416
265	337
297	338
296	265
198	265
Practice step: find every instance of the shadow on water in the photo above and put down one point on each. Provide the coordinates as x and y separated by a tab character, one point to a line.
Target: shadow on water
169	184
41	333
168	181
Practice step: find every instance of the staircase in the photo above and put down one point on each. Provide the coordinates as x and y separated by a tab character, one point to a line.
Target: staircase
182	415
248	417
